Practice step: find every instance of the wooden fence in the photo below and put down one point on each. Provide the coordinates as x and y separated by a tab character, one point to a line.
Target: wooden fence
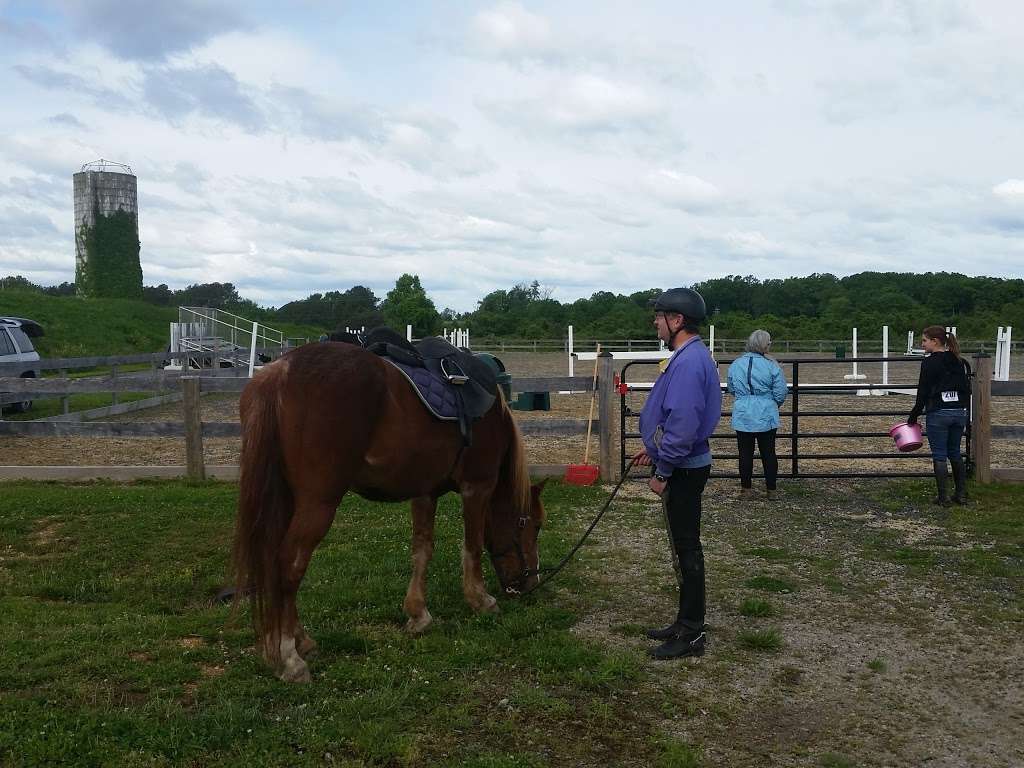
983	432
190	388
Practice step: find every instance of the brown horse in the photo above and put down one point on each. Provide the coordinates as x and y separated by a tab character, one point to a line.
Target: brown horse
331	418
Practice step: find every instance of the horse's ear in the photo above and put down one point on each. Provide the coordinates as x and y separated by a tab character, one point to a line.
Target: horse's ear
538	487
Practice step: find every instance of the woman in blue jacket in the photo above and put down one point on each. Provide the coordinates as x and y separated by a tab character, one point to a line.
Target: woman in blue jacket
759	388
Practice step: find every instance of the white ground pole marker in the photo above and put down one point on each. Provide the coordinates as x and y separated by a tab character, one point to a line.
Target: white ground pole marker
570	351
885	365
1002	362
855	353
856	376
252	349
408	333
711	334
910	342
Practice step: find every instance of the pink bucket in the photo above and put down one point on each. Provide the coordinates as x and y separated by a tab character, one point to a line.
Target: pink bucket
907	437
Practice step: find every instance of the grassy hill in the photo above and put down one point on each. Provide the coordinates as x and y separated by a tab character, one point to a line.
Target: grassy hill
78	327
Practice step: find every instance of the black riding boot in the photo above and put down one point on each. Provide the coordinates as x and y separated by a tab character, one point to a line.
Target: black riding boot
959	480
673	629
942	481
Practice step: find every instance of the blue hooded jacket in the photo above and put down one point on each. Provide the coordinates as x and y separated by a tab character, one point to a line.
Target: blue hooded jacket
758	395
682	410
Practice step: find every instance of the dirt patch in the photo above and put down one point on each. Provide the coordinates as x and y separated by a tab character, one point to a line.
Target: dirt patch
881	663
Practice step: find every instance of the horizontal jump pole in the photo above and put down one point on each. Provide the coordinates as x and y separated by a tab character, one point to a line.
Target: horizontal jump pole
556	427
552	383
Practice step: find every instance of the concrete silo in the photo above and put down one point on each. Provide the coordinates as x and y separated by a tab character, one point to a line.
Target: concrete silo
107	231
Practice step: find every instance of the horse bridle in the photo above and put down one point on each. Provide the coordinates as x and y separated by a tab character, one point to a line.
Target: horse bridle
517	546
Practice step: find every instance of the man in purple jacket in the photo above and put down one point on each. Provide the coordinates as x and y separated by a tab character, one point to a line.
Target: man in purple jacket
680	414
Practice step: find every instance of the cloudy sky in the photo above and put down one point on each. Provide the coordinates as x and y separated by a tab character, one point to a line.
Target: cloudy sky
478	145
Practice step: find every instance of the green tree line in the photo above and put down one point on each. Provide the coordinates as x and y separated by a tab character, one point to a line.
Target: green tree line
816	306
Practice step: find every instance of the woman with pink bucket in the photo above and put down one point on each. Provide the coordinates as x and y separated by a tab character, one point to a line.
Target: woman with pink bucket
943	393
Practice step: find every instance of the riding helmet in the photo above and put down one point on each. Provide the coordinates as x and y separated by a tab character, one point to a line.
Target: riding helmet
684	301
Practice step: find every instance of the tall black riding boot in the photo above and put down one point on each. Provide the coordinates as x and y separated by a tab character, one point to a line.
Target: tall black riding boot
673	629
941	480
959	480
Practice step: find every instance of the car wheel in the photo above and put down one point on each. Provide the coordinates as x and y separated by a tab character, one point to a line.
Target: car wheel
23	407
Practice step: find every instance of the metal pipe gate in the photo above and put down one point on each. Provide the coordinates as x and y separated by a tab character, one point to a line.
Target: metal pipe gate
795	435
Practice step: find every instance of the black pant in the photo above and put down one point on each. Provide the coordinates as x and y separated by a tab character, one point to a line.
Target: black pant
685	487
766	445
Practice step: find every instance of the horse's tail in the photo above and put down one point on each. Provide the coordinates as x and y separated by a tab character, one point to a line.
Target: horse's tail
515	474
264	511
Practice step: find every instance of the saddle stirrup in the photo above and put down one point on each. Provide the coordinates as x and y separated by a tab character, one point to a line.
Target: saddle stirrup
456	376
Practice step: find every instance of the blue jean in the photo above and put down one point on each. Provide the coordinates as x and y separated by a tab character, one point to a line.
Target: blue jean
944	429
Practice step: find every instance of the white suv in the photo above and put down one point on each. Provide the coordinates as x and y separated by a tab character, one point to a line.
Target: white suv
18	357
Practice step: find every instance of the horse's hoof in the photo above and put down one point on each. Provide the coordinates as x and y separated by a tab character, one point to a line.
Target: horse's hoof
295	673
488	605
417	625
307	648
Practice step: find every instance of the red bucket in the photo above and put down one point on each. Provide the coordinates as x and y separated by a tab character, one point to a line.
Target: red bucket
907	436
581	474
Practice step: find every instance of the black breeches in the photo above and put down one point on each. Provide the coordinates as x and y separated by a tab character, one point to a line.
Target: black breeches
685	487
766	446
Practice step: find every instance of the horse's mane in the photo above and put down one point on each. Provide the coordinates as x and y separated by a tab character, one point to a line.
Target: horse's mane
515	472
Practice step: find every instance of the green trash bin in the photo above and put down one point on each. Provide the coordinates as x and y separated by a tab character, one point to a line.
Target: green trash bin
840	351
532	401
503	378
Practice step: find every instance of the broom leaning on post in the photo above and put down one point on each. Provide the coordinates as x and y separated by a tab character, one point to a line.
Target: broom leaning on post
585	473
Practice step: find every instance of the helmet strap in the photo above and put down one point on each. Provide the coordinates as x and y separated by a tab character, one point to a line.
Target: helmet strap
673	334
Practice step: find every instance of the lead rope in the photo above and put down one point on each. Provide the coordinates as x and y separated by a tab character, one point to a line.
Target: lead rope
552	571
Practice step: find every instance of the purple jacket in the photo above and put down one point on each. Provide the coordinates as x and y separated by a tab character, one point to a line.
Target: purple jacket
682	410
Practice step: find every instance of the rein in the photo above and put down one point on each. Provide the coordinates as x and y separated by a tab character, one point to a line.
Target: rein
550	572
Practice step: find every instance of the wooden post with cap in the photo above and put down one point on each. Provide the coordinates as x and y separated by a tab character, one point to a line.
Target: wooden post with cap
981	419
195	468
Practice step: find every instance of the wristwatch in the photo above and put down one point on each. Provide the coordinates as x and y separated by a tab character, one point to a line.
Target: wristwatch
660	478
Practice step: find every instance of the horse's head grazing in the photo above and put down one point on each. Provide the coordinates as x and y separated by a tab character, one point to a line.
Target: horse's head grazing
512	541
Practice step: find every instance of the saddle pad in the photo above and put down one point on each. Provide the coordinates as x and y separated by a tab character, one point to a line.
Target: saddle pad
440	398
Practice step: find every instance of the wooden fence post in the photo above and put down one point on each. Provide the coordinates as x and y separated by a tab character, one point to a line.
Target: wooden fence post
606	427
65	401
981	419
193	428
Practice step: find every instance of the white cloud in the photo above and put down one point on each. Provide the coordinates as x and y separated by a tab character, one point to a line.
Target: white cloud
1011	189
682	190
296	151
510	30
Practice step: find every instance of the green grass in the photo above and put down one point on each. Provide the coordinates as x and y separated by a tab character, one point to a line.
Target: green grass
753	606
760	639
52	406
79	327
114	654
877	665
772	554
992	523
676	754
